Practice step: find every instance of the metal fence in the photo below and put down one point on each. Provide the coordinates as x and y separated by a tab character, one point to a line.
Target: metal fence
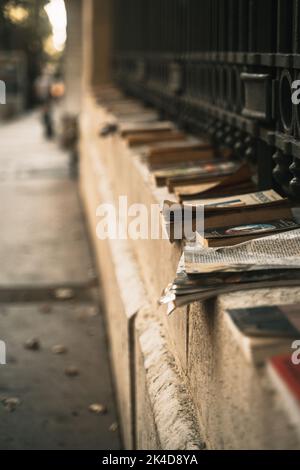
222	67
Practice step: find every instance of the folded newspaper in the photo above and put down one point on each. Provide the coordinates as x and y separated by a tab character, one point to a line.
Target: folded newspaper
203	273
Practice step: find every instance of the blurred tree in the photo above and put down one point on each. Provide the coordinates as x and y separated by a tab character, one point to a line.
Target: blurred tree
24	26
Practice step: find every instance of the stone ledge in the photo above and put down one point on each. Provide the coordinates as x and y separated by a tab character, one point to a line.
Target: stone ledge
171	406
125	301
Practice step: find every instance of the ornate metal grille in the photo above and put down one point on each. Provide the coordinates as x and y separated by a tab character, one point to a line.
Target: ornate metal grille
223	67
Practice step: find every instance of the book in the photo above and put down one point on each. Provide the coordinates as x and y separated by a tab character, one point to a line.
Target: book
156	162
145	116
142	127
227	204
143	138
234	235
282	321
262	331
165	148
228	221
166	154
249	200
238	182
205	171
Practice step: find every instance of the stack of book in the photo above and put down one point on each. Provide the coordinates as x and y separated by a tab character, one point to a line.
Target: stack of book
227	221
234	237
232	243
175	158
203	273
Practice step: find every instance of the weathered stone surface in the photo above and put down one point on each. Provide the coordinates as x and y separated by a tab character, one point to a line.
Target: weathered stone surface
131	178
232	402
165	414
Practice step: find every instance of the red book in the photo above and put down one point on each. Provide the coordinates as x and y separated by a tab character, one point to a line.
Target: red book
288	372
286	378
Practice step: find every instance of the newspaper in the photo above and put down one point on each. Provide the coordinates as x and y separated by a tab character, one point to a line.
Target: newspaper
174	301
204	273
280	250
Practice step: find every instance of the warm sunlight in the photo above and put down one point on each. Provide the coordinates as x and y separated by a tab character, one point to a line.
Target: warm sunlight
16	14
56	12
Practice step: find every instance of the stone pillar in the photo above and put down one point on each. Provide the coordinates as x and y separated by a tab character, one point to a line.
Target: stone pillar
73	56
96	39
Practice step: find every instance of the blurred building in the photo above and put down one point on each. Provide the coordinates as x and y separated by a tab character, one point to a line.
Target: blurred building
13	72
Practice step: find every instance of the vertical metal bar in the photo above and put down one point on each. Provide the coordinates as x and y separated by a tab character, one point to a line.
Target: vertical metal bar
296	27
243	45
284	26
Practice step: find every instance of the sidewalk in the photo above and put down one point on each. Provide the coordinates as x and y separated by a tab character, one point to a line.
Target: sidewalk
47	292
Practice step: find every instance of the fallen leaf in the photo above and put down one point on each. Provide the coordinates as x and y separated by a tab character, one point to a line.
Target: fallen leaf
92	311
98	408
113	427
46	308
89	312
33	344
10	404
59	349
71	371
64	294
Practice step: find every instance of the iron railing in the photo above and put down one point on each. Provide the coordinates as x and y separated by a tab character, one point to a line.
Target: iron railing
223	67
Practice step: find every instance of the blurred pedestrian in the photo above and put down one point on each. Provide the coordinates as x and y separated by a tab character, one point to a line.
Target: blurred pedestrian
43	90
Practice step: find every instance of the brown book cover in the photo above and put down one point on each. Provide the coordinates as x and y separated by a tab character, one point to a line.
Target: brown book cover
165	148
130	128
144	138
236	183
205	171
229	236
234	225
222	168
246	201
160	161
